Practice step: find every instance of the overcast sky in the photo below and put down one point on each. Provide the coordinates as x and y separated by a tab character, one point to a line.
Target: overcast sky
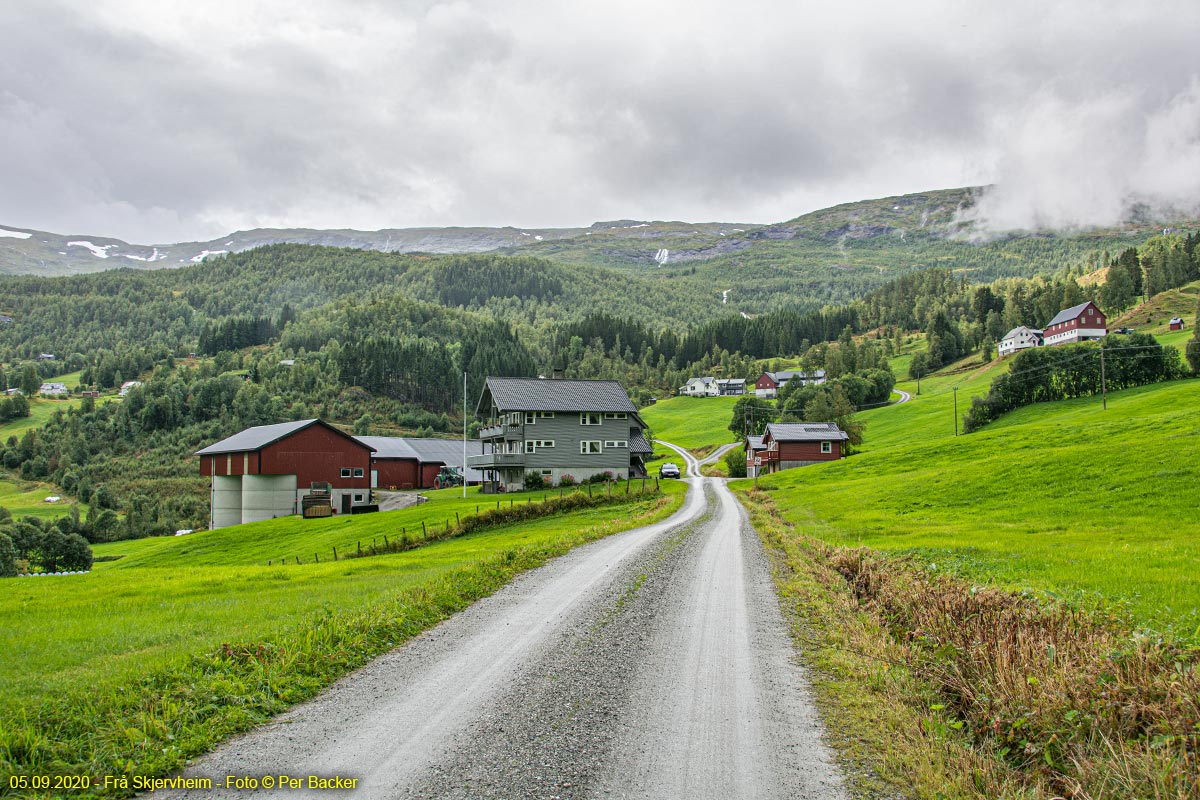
158	121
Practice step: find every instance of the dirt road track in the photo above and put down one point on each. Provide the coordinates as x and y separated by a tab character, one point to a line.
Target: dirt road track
653	663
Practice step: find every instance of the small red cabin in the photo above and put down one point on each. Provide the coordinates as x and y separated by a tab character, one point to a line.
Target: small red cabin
799	444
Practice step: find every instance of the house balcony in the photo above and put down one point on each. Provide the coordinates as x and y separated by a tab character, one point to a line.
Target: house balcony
496	461
506	431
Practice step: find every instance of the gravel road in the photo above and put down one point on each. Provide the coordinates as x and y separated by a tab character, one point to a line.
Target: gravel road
653	663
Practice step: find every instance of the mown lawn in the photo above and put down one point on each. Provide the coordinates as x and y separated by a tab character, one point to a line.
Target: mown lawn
1062	497
694	423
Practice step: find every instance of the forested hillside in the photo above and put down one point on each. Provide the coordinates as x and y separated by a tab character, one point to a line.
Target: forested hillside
378	342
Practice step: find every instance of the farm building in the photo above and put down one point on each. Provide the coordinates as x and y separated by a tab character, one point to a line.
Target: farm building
1080	323
413	463
755	450
126	386
1176	323
53	390
1019	338
798	444
264	472
731	387
769	383
557	428
700	387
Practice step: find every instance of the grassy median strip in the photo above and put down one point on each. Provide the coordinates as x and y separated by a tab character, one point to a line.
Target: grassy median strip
133	669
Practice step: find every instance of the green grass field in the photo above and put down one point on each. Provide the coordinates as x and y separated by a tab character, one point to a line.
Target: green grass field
1064	498
694	423
25	498
130	667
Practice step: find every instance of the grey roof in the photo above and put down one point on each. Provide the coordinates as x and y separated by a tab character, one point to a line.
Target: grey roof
426	451
389	446
1068	313
260	436
1017	330
731	380
755	443
805	432
539	394
638	443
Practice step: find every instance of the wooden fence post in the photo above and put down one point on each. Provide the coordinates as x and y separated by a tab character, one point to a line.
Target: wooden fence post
316	559
360	547
424	533
335	554
457	521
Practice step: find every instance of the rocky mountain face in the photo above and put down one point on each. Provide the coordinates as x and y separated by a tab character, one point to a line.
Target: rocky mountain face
882	224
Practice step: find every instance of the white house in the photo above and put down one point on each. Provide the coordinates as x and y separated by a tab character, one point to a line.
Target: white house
127	385
53	389
700	387
1019	338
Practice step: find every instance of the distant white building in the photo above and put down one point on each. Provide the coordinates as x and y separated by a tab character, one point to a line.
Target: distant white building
700	387
127	385
53	389
1019	338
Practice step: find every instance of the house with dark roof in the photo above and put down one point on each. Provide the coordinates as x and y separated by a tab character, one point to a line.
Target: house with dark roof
700	387
731	387
798	444
557	428
769	383
1082	323
1019	338
755	456
265	471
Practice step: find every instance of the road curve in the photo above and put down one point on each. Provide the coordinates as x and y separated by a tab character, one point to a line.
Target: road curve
652	663
904	397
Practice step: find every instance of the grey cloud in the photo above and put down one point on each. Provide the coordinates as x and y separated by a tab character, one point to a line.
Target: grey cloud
156	122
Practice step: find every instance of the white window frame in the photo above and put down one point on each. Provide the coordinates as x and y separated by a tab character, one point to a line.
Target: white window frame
530	417
586	447
533	445
546	414
358	472
616	443
590	418
345	472
616	415
826	447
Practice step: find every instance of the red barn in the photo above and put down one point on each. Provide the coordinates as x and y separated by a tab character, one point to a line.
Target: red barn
413	463
1081	323
262	472
799	444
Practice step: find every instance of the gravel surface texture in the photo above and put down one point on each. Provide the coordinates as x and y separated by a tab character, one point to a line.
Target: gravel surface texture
652	663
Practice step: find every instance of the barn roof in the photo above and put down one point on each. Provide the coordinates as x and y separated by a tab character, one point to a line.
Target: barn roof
1068	314
755	443
260	436
426	451
805	432
538	394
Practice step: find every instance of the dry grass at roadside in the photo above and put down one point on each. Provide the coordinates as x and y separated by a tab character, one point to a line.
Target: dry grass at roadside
934	688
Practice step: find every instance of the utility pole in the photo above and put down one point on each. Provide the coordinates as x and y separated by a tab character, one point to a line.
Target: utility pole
1103	381
464	433
918	383
956	411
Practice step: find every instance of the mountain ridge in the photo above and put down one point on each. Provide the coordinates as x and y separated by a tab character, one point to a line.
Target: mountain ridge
897	221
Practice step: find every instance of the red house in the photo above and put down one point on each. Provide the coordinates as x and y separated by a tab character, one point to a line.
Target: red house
799	444
756	463
264	471
1080	323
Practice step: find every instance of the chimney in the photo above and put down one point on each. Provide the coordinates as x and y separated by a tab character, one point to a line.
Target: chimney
559	373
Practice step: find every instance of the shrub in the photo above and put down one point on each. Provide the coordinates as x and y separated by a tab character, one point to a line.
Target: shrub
735	459
534	480
567	480
8	557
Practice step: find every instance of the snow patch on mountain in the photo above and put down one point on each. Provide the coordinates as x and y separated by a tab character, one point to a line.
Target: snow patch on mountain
97	250
14	234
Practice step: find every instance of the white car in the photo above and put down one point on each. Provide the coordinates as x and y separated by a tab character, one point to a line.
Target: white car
668	470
